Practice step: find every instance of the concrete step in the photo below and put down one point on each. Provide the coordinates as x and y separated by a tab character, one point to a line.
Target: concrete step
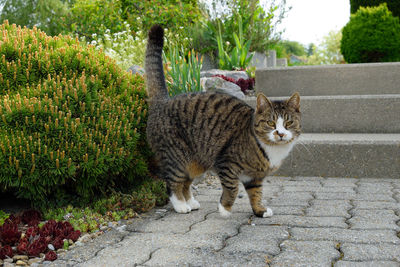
344	155
343	79
348	113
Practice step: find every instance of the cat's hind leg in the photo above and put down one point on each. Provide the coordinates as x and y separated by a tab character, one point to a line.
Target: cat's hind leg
187	193
230	189
177	197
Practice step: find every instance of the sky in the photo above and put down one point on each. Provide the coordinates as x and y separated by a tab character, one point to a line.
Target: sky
310	20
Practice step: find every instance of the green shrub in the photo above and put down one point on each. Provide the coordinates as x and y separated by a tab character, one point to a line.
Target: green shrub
371	35
393	5
72	122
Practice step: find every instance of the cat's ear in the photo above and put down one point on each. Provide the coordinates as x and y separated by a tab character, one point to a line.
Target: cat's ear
294	102
263	104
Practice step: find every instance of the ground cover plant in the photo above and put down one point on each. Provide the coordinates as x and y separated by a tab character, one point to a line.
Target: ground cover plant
71	120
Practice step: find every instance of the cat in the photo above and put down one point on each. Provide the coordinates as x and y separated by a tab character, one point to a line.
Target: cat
195	132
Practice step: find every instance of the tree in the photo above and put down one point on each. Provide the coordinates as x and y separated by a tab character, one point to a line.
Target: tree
328	52
47	15
393	5
371	35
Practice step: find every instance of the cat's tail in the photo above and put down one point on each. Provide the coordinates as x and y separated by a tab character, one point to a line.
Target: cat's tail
156	86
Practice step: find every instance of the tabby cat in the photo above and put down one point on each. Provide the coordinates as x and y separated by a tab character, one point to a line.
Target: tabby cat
195	132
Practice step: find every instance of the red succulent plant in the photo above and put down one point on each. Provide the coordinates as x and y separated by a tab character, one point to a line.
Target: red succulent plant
50	256
31	217
9	233
6	251
37	246
244	84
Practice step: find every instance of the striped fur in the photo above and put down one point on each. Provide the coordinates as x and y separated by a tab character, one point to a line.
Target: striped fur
196	132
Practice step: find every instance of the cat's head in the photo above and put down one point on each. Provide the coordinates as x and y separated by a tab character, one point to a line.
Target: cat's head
277	122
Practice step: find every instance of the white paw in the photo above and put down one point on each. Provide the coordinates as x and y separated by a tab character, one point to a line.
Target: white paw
224	213
268	213
179	205
193	203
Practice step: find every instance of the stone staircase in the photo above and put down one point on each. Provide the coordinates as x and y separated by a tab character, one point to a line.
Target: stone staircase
348	131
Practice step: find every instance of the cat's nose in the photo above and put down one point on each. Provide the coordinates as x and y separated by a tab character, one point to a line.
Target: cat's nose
281	134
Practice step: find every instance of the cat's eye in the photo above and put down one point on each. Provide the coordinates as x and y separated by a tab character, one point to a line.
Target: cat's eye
271	123
288	123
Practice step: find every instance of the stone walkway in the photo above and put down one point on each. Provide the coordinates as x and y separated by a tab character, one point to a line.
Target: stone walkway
317	222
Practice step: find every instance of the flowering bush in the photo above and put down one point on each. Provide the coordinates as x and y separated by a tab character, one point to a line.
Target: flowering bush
123	47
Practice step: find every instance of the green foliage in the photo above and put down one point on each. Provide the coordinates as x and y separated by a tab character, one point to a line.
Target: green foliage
240	55
89	17
72	122
47	15
3	217
113	208
371	35
183	72
258	24
393	5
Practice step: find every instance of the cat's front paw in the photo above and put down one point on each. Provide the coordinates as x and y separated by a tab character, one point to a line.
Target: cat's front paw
268	213
180	206
193	203
224	213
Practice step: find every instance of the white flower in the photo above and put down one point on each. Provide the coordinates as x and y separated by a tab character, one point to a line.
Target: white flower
228	43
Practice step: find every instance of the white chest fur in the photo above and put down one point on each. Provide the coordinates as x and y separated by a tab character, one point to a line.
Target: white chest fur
277	153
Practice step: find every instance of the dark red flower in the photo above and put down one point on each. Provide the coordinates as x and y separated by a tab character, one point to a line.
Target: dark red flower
32	231
74	235
31	217
38	246
58	243
9	233
6	251
50	256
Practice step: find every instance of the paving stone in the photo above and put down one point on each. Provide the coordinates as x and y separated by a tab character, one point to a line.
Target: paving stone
374	188
302	221
359	204
375	197
303	183
288	202
373	219
377	180
301	188
84	253
311	178
295	195
305	253
339	182
335	196
330	209
176	223
215	230
367	264
370	252
345	235
337	189
136	249
266	239
201	257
